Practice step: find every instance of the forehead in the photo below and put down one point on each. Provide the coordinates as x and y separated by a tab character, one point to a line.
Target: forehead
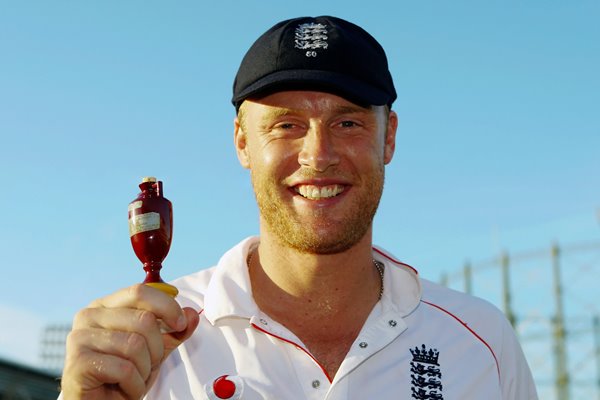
311	102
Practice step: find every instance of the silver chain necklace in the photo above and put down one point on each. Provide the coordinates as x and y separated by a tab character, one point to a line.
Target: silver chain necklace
378	265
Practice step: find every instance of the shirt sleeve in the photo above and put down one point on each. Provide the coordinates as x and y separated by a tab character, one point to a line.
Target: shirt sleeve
515	376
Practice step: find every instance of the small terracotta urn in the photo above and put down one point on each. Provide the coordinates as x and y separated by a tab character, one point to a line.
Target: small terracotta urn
151	231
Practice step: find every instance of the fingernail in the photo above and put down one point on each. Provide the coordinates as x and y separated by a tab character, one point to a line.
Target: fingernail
181	322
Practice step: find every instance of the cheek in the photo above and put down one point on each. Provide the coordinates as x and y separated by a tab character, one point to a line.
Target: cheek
366	152
283	151
274	157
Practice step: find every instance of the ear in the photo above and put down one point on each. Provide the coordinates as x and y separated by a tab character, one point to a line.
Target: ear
390	137
239	138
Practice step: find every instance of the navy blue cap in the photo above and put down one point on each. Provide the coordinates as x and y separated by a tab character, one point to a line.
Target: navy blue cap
316	53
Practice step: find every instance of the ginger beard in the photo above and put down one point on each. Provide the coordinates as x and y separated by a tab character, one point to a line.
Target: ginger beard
319	233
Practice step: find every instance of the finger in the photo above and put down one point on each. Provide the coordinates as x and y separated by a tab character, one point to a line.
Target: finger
102	370
172	340
125	345
114	370
141	322
146	298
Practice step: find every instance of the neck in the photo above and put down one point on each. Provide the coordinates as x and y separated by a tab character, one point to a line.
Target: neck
323	299
284	277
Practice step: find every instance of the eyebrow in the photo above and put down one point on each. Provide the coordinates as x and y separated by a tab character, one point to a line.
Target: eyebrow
277	112
352	109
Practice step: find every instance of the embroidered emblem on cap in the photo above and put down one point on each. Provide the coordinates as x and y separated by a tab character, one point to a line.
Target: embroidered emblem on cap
311	37
225	387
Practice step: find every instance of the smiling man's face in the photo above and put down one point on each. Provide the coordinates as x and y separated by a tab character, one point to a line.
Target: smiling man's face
317	166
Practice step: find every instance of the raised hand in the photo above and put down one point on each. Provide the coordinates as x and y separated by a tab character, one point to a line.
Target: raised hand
116	346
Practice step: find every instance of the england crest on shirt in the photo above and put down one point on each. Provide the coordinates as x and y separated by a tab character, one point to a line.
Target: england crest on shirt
426	374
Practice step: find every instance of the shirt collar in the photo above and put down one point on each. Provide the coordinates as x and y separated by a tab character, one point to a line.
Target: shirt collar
229	293
401	284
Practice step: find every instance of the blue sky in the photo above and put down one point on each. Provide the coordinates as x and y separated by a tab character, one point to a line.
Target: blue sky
498	142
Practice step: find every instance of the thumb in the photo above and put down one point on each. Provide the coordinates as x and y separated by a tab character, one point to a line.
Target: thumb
172	340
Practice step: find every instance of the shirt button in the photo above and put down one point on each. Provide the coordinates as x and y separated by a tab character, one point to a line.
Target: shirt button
392	323
316	383
363	345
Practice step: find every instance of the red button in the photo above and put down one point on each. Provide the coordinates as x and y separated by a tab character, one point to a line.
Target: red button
223	387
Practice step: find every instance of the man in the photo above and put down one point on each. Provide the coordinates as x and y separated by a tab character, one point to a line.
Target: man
310	309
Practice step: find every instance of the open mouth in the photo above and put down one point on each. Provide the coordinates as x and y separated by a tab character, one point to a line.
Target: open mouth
312	192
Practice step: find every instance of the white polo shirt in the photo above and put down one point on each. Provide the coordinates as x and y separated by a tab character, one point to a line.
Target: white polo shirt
421	341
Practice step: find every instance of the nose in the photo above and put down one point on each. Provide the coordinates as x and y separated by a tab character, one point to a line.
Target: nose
318	151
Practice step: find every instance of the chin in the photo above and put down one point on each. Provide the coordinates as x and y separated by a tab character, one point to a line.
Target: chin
325	242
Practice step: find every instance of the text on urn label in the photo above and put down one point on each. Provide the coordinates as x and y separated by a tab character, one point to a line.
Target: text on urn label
143	223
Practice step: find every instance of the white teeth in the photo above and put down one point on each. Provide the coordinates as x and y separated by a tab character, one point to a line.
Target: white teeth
319	192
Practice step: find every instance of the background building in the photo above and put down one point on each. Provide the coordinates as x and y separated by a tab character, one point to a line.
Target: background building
20	382
52	352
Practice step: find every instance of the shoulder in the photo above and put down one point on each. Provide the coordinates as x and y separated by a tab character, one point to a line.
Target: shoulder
488	325
479	318
460	305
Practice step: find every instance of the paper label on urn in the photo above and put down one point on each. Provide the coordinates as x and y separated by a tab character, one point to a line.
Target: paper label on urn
143	223
135	205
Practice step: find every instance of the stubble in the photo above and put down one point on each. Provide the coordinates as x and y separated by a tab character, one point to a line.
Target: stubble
319	233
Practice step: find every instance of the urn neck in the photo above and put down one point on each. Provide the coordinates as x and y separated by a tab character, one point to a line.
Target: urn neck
152	269
151	189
